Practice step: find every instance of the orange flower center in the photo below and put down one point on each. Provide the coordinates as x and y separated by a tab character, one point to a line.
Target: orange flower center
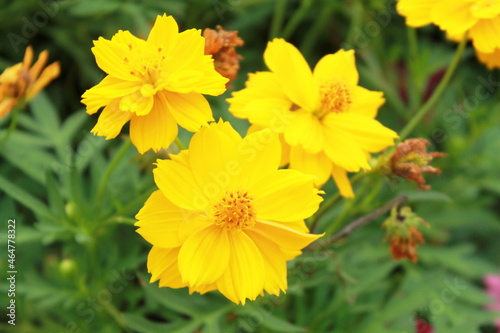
335	97
235	211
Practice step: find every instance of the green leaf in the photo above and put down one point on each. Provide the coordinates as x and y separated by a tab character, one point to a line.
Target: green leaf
142	325
25	199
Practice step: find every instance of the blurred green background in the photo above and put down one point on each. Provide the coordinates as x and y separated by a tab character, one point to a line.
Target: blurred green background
81	267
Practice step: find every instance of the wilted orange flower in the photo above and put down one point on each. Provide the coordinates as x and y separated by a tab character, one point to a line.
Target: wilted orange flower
411	160
221	45
20	81
406	247
402	229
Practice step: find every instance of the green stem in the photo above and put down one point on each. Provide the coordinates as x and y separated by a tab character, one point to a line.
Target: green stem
117	316
13	122
297	17
437	92
179	144
346	210
279	15
112	166
330	202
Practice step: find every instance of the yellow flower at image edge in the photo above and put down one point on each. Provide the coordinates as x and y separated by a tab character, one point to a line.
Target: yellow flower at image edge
155	83
481	18
225	217
326	120
20	81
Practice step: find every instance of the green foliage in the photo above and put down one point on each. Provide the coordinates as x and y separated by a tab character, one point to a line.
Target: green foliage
82	266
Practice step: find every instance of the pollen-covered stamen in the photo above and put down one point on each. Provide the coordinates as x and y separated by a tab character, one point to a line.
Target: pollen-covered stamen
235	211
335	97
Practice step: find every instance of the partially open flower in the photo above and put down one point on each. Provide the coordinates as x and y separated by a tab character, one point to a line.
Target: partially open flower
20	81
411	160
402	229
220	44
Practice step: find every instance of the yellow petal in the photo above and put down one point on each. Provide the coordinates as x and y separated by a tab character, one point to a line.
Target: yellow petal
48	74
214	159
160	221
111	121
486	9
285	148
245	274
107	90
285	196
341	148
191	111
155	130
342	181
260	85
268	112
306	131
274	264
203	289
370	135
190	70
164	33
177	183
259	154
284	236
312	164
338	67
453	16
6	105
366	102
492	60
137	103
417	13
486	35
110	57
163	266
293	72
204	256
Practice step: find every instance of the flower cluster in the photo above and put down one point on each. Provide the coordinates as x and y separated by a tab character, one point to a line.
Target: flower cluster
479	18
225	197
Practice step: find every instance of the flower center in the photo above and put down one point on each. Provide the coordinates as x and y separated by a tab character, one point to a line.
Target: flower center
335	97
235	211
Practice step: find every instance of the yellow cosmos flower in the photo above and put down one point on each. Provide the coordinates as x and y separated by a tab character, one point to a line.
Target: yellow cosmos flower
23	81
323	115
225	217
155	83
481	18
491	60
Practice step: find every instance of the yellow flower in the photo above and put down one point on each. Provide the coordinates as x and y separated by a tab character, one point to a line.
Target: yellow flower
155	83
481	18
326	118
225	217
491	60
20	81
